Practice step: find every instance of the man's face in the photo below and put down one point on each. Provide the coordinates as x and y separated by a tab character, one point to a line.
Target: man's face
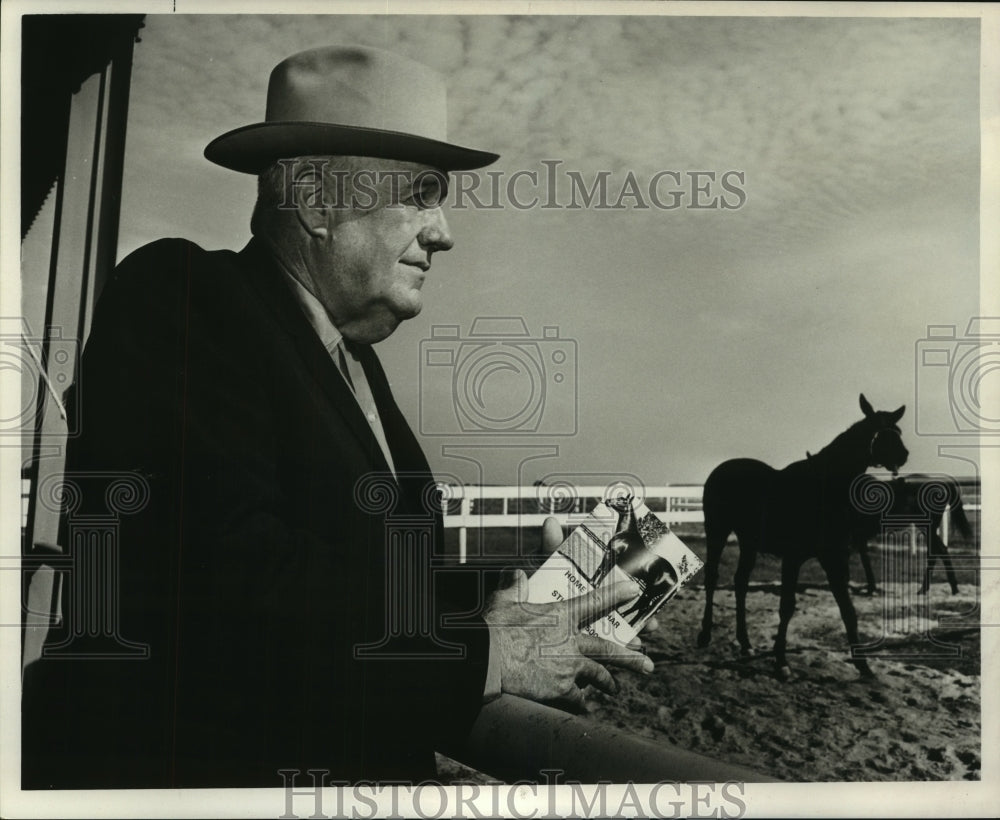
383	227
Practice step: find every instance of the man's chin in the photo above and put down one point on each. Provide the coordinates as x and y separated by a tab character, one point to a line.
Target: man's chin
408	310
382	328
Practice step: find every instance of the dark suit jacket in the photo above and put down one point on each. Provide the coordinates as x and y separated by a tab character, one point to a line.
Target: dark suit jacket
257	570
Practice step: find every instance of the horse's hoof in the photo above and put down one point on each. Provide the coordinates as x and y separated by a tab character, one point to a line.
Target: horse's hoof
954	590
922	591
784	673
747	652
704	639
868	675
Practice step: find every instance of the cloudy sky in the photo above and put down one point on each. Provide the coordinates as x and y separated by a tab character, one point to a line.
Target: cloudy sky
700	334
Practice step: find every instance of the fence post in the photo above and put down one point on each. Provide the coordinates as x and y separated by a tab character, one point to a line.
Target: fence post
945	524
462	530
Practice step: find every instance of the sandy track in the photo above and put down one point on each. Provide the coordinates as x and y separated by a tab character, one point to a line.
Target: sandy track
920	720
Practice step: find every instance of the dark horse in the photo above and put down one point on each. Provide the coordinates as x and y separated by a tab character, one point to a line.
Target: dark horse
800	512
915	500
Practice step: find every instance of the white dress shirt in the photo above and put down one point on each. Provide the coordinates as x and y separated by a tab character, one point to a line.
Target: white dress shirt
354	374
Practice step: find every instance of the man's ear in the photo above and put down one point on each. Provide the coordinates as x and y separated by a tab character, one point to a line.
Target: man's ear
307	198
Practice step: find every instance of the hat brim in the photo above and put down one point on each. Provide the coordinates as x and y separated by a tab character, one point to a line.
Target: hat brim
252	148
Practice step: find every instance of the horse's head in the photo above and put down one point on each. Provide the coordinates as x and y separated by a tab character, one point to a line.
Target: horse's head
885	439
620	503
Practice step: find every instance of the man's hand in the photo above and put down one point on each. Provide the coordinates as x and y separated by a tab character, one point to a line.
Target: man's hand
544	655
552	537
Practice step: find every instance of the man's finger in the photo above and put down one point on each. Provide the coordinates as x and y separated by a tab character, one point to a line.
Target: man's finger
552	535
651	625
593	673
574	699
588	608
604	651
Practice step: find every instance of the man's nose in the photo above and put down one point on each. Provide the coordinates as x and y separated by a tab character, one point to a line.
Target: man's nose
435	235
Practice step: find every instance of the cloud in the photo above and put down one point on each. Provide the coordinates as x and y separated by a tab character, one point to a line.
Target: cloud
859	138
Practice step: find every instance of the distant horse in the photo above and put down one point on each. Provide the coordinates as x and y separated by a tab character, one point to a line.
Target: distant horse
917	499
800	512
914	500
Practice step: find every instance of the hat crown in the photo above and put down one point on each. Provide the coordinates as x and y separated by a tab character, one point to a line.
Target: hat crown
348	101
361	87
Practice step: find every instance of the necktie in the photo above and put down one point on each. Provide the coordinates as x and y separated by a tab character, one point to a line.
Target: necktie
363	393
342	363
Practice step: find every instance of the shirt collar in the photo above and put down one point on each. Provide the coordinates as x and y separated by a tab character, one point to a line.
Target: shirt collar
315	313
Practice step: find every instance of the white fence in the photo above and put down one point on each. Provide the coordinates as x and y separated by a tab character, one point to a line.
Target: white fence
530	506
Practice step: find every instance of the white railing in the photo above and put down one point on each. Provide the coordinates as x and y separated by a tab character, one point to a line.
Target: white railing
681	503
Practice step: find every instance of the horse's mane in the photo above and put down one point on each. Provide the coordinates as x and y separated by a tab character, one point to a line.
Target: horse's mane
841	440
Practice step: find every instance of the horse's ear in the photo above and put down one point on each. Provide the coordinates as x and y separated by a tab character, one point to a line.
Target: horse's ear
896	415
866	408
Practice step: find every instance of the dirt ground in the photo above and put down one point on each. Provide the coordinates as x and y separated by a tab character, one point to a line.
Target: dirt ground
919	720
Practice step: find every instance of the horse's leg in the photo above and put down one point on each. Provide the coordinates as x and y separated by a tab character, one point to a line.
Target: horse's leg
940	549
790	566
932	556
715	544
748	557
837	573
866	563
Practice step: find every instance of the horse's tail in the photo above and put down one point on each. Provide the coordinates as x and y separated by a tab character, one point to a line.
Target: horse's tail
716	510
957	514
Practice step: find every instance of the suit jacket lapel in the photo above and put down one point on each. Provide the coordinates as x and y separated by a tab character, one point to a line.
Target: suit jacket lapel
412	470
406	451
278	299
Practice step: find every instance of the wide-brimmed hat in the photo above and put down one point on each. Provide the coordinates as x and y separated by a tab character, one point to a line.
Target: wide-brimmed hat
350	101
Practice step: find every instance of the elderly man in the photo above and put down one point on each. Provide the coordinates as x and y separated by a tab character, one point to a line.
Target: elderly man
288	500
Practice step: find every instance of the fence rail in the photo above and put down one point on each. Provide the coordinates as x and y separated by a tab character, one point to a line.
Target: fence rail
465	507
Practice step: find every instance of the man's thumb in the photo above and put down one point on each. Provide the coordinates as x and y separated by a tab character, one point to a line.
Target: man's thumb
513	584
